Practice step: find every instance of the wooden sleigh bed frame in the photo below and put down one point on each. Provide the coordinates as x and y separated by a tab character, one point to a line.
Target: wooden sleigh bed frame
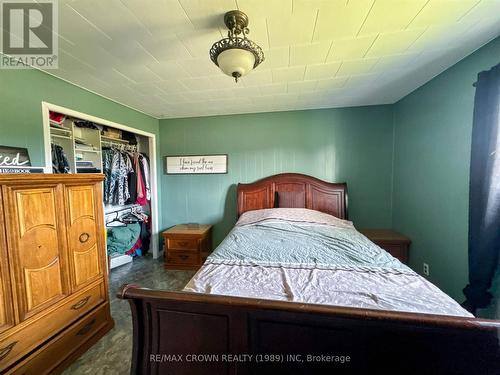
191	333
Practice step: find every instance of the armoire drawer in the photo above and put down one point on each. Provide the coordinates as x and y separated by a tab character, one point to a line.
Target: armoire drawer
33	332
67	342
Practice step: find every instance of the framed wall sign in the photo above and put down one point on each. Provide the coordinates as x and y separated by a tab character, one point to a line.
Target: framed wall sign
196	164
14	157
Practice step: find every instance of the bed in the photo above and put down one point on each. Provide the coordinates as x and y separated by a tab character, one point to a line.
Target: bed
294	288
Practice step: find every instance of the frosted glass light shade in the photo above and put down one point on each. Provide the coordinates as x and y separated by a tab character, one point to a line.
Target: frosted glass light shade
236	62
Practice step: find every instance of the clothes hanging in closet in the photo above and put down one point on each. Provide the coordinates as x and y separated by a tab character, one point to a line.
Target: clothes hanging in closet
144	163
60	162
127	177
116	168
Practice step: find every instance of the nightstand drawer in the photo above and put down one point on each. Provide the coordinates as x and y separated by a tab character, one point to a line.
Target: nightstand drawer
393	242
183	257
397	251
182	243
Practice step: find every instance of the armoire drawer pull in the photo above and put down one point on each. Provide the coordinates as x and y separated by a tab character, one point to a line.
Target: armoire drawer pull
86	328
184	257
84	237
4	352
80	303
183	243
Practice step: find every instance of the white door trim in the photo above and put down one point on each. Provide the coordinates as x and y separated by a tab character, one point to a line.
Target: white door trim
47	107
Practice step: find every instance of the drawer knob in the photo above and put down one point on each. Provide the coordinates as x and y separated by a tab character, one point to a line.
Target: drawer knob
183	243
84	237
184	257
86	328
4	352
80	303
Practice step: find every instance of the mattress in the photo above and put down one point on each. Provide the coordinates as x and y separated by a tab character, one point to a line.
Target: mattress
306	256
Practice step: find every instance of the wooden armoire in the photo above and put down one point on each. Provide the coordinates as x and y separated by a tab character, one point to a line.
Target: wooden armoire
53	271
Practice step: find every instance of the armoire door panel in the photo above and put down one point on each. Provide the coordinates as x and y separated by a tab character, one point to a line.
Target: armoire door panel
7	307
36	246
43	284
85	260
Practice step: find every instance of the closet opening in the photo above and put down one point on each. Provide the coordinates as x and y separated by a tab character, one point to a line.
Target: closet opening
76	142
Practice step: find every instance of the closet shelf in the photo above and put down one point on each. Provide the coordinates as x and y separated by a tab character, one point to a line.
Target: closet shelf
61	136
84	150
111	139
61	129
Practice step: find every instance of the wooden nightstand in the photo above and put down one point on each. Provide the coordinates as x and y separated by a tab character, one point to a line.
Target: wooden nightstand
186	247
393	242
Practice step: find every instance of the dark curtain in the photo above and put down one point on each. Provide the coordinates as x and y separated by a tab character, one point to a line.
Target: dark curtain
484	199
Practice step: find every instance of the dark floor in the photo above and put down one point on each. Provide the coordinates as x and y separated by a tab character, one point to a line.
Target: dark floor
111	355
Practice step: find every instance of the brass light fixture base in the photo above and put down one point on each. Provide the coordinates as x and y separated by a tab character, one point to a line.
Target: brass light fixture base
236	20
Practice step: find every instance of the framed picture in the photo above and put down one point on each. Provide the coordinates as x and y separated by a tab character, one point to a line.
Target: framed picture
196	164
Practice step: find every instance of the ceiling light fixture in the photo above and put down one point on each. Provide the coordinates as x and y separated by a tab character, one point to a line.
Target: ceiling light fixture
236	55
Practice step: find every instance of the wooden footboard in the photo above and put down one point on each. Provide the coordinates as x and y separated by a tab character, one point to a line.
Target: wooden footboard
189	333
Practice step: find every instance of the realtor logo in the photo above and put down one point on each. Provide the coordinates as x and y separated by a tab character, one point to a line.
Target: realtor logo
29	34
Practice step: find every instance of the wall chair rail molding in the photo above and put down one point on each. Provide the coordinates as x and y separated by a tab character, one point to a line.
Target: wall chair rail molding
196	164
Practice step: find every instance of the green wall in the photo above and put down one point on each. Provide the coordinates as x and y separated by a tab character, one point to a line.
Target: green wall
21	96
349	144
433	128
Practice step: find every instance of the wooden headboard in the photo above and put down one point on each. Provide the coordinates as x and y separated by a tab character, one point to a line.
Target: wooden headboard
294	190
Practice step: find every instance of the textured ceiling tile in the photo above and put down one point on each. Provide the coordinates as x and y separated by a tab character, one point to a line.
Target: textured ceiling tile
265	8
95	56
113	77
174	98
330	84
350	49
120	24
389	62
207	14
172	86
394	43
309	53
167	47
199	42
248	92
200	67
75	28
322	71
294	73
341	19
159	17
140	74
169	70
276	58
146	89
276	88
222	81
293	29
144	53
485	9
302	86
258	32
352	67
440	37
442	11
258	77
130	52
201	83
391	15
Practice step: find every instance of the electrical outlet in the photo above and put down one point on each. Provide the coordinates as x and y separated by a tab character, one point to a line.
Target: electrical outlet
426	269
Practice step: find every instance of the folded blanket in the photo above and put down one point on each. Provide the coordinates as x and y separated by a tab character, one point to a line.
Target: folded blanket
121	239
